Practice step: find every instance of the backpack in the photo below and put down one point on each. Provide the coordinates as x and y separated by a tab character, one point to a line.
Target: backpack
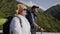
28	16
6	25
30	19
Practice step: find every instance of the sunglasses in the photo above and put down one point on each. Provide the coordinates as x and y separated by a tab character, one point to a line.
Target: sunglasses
25	9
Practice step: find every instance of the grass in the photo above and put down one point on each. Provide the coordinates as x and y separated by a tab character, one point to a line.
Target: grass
2	21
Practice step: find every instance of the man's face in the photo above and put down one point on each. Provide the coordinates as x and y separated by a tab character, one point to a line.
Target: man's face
35	10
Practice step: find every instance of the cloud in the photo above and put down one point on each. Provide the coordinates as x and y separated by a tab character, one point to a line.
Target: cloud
42	8
52	5
55	4
30	3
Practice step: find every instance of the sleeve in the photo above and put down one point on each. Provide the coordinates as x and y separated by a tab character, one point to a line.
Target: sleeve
32	16
15	27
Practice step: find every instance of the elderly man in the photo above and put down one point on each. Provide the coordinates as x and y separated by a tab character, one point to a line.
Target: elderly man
32	18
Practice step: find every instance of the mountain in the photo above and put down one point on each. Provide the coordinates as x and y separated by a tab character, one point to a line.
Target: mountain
41	10
48	22
8	7
54	11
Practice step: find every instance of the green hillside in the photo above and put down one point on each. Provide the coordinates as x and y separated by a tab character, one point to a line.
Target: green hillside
7	7
48	22
54	11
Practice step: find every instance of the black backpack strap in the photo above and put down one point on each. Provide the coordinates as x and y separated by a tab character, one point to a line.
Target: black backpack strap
20	20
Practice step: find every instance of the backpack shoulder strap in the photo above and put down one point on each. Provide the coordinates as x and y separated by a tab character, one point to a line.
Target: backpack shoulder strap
19	20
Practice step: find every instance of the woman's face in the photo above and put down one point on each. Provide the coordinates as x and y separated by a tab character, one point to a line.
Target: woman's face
24	12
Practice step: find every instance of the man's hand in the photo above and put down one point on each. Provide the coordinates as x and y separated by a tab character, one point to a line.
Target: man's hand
41	29
38	27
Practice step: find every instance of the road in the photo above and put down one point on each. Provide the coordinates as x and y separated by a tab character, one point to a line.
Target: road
36	32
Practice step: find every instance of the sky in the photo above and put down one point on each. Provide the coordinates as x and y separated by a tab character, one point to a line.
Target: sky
43	4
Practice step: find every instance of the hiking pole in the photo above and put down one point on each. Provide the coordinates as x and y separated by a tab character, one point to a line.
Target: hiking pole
41	32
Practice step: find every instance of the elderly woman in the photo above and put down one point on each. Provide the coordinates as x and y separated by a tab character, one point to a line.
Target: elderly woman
20	25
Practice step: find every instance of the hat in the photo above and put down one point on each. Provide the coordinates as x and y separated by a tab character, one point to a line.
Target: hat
21	6
35	7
